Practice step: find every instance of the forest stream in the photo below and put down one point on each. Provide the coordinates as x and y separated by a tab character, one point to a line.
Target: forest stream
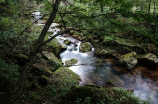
100	71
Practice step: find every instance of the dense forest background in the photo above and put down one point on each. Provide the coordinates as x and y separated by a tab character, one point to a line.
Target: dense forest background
22	43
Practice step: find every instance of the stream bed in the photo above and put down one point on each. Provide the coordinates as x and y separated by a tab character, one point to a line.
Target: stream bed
99	71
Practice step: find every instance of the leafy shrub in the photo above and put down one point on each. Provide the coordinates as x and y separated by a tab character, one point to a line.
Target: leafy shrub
9	75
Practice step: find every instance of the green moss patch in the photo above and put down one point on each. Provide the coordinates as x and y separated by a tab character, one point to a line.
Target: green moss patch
66	77
85	47
70	62
54	46
67	42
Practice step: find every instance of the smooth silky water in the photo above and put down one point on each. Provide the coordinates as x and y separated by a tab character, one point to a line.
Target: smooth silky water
96	70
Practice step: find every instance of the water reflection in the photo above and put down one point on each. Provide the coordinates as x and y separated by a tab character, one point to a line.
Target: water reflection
96	70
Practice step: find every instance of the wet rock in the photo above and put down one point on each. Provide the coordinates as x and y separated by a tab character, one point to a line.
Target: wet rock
128	60
120	70
70	62
149	60
75	44
67	42
105	52
85	47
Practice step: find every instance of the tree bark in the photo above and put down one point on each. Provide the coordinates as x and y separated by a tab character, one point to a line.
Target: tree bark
33	51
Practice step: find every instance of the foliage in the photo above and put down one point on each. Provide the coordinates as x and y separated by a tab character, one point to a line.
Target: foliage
9	75
89	95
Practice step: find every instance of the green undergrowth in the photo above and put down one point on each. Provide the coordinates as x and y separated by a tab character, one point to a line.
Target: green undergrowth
93	95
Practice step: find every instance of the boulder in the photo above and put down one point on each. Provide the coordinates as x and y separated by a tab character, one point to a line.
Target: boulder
70	62
85	47
128	45
55	47
51	56
105	52
148	60
67	42
128	60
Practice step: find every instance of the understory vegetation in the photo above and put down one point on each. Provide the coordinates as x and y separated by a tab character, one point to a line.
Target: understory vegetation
103	23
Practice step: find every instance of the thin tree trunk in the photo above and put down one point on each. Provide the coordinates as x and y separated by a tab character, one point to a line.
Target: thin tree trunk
101	6
148	14
142	7
33	51
154	8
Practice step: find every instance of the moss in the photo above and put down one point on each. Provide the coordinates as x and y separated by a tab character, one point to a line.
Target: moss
32	95
71	62
85	47
22	56
93	95
66	77
123	44
67	42
55	47
105	52
51	56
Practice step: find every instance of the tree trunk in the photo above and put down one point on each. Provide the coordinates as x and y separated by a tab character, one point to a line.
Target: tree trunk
101	6
33	51
148	14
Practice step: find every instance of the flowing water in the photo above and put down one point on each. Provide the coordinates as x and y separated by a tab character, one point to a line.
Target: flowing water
99	71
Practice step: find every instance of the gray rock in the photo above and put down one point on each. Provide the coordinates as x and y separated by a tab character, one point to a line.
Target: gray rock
128	60
148	60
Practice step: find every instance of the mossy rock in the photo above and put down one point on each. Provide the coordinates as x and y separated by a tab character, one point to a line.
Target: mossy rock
51	56
39	69
106	53
43	80
70	62
120	42
85	47
54	46
67	42
128	60
72	32
65	77
150	60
